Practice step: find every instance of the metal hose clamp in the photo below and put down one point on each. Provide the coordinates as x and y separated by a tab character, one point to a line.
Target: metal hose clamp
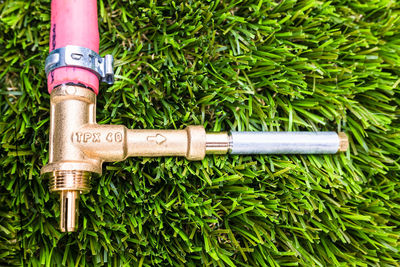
81	57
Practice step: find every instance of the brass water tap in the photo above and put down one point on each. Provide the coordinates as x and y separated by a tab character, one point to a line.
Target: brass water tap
78	146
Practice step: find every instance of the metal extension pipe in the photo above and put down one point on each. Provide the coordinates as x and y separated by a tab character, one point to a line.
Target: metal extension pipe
287	142
276	143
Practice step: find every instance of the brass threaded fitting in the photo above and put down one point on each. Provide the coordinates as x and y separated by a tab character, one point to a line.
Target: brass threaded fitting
69	184
70	180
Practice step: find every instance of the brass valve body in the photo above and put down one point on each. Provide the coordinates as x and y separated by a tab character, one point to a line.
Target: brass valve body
78	146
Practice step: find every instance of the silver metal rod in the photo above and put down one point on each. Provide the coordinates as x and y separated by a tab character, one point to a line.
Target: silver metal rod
287	142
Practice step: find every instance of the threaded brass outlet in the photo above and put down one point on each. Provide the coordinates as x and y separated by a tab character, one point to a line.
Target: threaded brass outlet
69	184
70	180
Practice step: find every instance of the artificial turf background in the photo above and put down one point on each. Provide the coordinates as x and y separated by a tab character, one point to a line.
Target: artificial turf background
242	65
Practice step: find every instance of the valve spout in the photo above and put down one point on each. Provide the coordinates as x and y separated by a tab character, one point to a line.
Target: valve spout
69	208
69	184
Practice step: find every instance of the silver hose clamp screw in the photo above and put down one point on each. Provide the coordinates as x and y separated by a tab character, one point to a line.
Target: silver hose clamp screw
81	57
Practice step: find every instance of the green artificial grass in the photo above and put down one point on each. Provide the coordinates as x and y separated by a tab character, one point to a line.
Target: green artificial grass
242	65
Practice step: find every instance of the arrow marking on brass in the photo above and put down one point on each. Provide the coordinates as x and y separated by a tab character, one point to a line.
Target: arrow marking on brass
158	139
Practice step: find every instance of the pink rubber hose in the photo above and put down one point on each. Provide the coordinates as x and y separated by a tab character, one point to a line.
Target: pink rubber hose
73	22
